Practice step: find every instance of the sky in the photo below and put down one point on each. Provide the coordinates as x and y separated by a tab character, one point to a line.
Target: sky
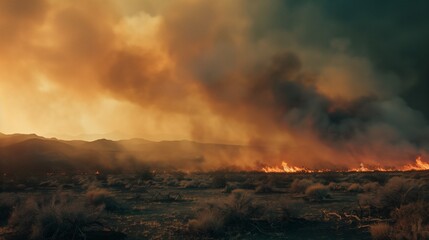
318	81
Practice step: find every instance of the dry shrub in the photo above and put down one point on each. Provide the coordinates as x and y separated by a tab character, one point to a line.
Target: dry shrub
379	177
300	185
263	189
370	187
195	183
229	188
317	192
59	218
102	198
238	209
209	221
218	181
396	192
145	174
355	187
334	186
116	182
291	209
411	221
7	203
380	231
366	200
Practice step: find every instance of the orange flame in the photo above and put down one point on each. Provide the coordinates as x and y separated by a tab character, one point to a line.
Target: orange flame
420	165
285	168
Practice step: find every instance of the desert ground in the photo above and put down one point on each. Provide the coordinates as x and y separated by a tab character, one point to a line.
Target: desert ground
216	205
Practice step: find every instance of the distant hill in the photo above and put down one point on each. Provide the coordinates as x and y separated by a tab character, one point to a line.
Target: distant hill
30	153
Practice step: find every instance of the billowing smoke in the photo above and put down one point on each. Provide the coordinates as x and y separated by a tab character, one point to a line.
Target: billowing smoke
323	84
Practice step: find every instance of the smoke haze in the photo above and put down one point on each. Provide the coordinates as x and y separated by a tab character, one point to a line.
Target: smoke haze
322	84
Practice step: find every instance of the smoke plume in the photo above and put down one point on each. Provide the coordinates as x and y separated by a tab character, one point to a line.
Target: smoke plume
323	84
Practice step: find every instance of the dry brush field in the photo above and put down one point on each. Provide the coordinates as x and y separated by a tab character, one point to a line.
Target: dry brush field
216	205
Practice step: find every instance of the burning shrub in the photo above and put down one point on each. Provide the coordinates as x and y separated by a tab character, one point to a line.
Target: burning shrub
102	198
317	192
300	185
380	231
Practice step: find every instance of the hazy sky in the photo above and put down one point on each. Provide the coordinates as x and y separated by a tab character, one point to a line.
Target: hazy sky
335	78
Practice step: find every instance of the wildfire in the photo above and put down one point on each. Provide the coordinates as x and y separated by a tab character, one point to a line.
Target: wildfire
285	168
420	165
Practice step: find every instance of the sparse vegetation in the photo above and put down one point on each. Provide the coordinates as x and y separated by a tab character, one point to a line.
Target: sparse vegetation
300	185
397	191
7	203
355	187
58	217
291	209
317	192
411	221
264	189
238	209
165	207
380	231
102	198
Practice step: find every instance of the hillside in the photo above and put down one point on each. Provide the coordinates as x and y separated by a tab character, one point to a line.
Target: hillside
23	154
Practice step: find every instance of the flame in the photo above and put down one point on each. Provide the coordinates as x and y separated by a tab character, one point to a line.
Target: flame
285	168
420	165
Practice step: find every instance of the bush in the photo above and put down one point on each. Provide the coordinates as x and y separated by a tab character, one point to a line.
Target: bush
370	187
411	221
334	186
145	174
58	218
300	185
7	203
102	198
209	221
291	209
218	181
237	210
264	188
380	231
229	188
355	187
396	192
317	192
